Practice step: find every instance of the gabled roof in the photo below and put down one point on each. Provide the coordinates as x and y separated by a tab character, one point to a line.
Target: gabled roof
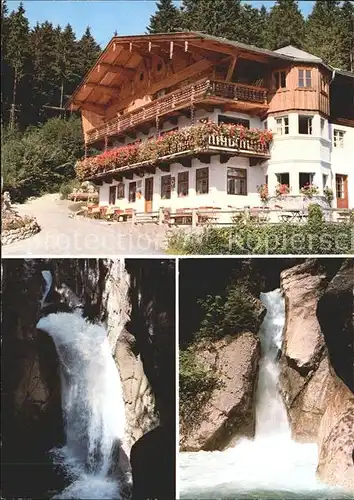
201	41
292	51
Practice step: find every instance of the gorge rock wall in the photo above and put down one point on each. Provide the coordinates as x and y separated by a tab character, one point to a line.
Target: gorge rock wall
104	290
317	362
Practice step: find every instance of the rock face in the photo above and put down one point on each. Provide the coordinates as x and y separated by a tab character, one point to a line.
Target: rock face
230	412
317	363
336	433
303	350
31	397
138	396
336	438
31	403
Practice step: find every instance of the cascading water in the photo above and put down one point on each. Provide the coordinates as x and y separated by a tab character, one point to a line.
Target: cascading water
272	465
92	402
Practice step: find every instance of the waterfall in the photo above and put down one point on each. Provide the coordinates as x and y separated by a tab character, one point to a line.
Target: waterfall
271	416
47	276
271	466
92	404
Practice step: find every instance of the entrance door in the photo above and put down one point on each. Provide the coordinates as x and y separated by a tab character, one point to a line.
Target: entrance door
149	191
342	191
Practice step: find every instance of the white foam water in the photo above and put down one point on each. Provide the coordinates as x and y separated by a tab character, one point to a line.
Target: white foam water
92	402
272	465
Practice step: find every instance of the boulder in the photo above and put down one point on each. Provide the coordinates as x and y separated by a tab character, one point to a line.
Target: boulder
303	340
229	413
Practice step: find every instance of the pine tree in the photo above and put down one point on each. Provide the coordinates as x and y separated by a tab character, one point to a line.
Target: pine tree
45	81
323	32
89	52
347	34
17	54
253	23
166	18
69	62
5	70
286	25
215	17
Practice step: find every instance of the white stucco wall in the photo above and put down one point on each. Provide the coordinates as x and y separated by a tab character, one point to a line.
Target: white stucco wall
342	160
216	197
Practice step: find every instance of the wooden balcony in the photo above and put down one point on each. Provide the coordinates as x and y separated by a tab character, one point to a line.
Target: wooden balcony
236	96
183	152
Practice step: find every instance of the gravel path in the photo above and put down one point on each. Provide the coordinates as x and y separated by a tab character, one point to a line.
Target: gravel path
62	235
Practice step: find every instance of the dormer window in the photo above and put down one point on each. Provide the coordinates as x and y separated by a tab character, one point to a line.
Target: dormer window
279	79
305	80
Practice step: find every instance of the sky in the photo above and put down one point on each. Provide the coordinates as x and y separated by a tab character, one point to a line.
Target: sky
104	16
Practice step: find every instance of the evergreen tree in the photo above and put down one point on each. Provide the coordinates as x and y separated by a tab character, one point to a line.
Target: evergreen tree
347	31
215	17
5	69
166	18
324	32
45	82
253	23
89	51
17	55
286	25
69	62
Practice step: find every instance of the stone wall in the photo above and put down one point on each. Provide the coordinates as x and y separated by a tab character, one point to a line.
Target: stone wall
12	235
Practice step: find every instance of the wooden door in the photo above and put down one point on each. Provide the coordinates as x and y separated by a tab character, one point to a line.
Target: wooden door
149	191
342	191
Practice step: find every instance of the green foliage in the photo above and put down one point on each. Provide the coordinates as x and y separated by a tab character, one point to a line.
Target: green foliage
196	384
267	239
328	194
228	315
220	17
40	67
40	160
315	215
347	34
67	188
280	33
324	32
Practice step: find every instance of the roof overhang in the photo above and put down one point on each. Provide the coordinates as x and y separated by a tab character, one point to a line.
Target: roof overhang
110	68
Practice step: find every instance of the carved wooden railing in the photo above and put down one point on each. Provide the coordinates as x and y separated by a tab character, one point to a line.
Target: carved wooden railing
244	145
184	97
239	91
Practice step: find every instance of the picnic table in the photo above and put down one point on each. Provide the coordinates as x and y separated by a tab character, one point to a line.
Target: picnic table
293	216
207	214
343	215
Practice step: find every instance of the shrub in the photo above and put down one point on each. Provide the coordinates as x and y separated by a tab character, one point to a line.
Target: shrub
315	215
309	190
67	187
42	159
228	315
328	194
267	239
